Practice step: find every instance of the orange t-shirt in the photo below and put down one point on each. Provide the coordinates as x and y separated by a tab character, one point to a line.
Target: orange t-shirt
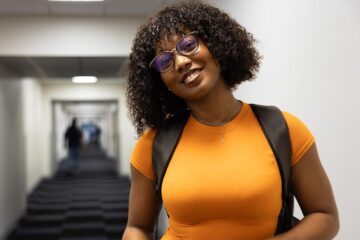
222	190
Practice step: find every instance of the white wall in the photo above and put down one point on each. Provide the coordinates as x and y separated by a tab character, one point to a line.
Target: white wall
311	68
66	35
62	123
12	164
33	132
108	126
102	91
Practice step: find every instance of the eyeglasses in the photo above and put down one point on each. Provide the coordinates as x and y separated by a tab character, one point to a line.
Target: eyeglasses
186	46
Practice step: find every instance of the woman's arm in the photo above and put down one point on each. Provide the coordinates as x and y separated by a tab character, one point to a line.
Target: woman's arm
315	197
144	207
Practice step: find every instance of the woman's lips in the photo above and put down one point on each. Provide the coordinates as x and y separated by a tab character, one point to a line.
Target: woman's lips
191	76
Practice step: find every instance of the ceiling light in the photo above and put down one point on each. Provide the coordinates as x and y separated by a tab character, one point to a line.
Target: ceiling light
84	79
75	0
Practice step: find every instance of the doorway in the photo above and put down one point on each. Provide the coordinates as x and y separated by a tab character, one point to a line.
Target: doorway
97	120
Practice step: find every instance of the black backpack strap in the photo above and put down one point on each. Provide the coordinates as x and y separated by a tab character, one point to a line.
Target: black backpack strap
163	147
276	131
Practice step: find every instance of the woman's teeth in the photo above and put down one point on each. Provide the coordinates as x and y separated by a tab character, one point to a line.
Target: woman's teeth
191	76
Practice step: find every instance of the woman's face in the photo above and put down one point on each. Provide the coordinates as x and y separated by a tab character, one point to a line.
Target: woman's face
191	77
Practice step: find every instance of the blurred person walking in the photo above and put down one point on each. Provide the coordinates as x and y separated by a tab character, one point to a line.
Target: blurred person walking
73	138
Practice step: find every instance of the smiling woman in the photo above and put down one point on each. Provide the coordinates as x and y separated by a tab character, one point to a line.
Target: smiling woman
227	41
221	180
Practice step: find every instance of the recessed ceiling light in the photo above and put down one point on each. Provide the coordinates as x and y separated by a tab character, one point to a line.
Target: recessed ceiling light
75	0
84	79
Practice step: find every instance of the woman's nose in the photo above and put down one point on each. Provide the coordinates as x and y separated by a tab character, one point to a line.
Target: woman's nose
181	62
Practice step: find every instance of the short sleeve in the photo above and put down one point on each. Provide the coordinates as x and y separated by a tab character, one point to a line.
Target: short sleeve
141	157
301	137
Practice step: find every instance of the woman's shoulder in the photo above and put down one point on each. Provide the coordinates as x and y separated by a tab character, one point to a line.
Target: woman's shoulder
141	157
300	136
148	135
144	142
294	122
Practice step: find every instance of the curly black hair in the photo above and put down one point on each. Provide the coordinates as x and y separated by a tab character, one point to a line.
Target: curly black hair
149	101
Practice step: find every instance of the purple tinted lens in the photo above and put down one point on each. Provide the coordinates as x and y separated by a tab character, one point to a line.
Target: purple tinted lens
163	62
187	45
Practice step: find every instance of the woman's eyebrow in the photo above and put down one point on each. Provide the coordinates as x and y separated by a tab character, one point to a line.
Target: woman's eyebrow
161	49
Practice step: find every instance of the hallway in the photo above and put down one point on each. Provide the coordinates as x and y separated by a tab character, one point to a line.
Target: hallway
91	204
309	67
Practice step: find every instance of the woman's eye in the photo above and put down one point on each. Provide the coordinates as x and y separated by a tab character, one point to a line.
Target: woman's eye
187	46
165	60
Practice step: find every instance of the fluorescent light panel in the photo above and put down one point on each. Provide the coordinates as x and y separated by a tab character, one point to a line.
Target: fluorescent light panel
75	0
84	79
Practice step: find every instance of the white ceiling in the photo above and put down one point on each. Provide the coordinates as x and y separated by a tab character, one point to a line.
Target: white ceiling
63	67
55	68
105	8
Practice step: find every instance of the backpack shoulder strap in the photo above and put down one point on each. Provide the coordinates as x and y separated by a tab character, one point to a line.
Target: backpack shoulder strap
163	147
276	131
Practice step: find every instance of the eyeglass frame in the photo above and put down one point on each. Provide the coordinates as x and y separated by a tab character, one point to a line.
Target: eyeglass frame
174	49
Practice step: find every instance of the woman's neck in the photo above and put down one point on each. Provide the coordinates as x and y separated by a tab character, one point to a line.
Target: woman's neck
216	109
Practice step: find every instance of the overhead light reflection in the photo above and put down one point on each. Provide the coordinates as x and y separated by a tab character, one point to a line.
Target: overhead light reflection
75	0
84	79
